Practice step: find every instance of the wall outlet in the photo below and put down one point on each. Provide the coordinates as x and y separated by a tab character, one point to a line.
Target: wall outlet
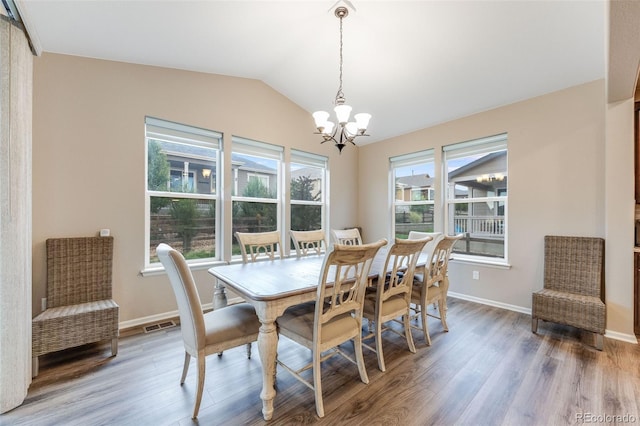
476	275
43	303
105	232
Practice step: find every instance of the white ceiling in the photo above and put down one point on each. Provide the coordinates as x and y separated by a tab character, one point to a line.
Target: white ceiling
411	64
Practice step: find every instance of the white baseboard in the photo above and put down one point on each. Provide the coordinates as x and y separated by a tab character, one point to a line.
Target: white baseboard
489	302
138	322
629	338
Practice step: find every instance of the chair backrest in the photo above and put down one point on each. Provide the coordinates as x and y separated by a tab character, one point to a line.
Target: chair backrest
399	267
341	287
308	242
574	264
440	258
259	245
431	245
78	270
349	237
184	288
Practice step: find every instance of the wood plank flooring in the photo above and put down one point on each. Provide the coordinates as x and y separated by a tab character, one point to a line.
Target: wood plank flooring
489	369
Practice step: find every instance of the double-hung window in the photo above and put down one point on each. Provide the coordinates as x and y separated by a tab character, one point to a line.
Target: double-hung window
413	192
256	198
181	191
307	186
476	196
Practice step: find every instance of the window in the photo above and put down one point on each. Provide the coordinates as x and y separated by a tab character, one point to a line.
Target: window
412	180
476	196
181	191
256	198
307	189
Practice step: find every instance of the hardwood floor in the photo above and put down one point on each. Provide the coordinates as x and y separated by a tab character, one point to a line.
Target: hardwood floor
489	369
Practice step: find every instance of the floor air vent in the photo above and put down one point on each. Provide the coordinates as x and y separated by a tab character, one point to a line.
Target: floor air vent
158	326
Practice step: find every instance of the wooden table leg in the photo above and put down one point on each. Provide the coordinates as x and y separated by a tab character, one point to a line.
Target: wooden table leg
219	295
268	347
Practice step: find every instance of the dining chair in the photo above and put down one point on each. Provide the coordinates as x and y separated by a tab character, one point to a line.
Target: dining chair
427	250
390	298
335	317
434	287
350	237
573	285
204	334
259	245
308	242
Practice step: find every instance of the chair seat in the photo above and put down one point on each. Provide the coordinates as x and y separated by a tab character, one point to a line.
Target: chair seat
230	323
391	305
578	310
299	321
68	326
434	292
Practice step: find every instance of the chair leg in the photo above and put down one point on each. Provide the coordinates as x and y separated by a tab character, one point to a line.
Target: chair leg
534	324
34	366
357	348
425	325
443	314
407	332
317	384
249	350
114	346
201	372
185	368
599	341
378	337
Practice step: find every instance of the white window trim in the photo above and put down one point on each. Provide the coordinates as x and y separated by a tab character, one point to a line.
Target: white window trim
463	149
169	131
420	157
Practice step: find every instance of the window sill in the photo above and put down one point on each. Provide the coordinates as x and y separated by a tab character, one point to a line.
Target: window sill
481	261
195	266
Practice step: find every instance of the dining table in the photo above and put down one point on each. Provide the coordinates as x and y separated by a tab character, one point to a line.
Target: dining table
271	287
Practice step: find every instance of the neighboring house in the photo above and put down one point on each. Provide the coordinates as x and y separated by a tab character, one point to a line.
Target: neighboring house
193	169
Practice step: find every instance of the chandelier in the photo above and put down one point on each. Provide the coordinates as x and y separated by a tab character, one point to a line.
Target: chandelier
346	131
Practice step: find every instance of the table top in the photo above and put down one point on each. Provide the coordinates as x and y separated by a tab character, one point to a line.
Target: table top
275	279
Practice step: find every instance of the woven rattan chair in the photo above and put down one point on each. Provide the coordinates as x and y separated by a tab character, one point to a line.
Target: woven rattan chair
335	317
308	242
573	285
80	309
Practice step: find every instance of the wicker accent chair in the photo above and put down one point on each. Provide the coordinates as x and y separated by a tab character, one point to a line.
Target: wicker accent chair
573	285
308	242
349	237
80	309
335	317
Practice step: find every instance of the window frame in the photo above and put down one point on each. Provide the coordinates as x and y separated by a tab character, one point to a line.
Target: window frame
416	158
253	148
486	145
177	133
321	162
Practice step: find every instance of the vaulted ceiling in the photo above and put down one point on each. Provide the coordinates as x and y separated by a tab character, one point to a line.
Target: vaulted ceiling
411	64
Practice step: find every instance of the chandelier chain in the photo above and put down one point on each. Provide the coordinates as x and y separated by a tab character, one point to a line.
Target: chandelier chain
340	94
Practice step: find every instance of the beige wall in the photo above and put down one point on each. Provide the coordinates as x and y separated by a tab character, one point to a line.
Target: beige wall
88	157
557	177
